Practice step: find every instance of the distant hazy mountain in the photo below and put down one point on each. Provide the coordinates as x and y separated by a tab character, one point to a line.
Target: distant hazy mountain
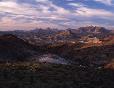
93	29
90	30
55	34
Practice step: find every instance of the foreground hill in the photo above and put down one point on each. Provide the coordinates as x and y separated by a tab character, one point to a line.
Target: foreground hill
14	48
87	56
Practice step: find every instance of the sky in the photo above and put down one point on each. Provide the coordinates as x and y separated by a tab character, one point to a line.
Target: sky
61	14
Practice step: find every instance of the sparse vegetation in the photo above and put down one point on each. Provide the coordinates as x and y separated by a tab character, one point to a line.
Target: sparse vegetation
37	75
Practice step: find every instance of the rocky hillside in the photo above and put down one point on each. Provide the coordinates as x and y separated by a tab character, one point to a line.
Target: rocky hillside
88	56
93	29
14	48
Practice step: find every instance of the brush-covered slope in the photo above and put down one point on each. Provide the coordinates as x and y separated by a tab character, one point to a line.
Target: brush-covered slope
14	48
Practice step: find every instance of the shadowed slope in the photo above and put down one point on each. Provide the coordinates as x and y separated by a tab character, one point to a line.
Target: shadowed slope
13	48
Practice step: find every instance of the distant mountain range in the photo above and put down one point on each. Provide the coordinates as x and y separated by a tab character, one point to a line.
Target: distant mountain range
93	29
50	31
81	30
49	35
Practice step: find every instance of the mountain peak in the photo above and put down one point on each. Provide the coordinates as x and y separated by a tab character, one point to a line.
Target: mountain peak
93	29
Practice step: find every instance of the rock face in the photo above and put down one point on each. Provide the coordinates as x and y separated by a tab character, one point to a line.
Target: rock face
88	56
51	58
13	48
93	29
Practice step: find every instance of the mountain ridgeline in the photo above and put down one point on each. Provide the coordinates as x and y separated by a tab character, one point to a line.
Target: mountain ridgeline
68	33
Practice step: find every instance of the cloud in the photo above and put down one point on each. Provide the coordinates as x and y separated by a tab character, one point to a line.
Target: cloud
45	13
89	12
76	4
70	0
42	0
42	10
106	2
14	8
27	14
83	10
7	23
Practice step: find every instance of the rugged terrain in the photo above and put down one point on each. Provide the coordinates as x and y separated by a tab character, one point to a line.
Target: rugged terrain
13	48
57	58
27	75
